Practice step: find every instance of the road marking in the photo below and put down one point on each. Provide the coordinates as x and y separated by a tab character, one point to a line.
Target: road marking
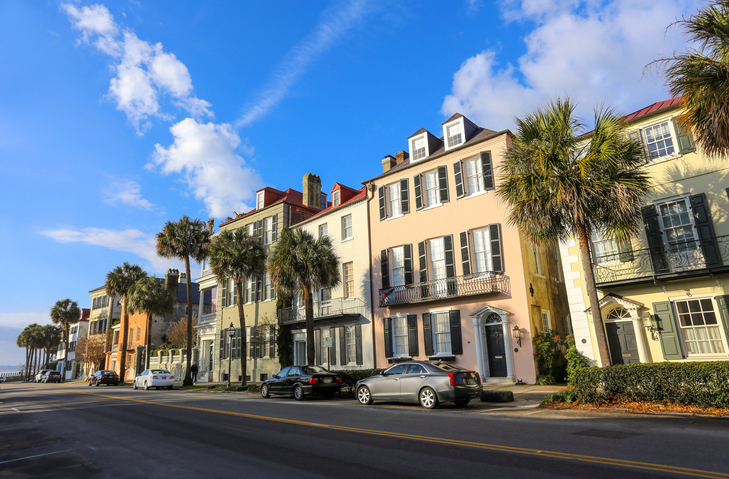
16	410
454	442
92	448
33	457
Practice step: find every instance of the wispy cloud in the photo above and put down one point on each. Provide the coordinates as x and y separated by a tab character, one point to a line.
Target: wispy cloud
334	24
23	319
130	240
119	192
594	52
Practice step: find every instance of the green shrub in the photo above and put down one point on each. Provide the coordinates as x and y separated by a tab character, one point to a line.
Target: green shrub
350	377
697	384
548	355
568	396
575	360
254	388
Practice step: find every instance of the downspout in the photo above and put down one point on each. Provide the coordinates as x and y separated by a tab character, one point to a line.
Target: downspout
372	291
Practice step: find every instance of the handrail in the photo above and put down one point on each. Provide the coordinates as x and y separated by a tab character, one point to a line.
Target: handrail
468	285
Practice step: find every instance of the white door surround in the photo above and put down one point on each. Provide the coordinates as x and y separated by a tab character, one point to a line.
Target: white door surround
490	316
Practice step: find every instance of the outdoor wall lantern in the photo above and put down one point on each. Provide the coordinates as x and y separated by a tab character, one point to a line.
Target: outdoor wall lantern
651	324
517	335
231	333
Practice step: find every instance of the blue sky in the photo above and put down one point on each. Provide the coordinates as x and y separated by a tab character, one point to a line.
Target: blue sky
116	117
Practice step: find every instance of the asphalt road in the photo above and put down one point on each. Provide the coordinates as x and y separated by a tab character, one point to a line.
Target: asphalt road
63	430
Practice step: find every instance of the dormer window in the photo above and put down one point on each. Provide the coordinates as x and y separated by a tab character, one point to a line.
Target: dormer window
454	134
259	200
335	198
419	148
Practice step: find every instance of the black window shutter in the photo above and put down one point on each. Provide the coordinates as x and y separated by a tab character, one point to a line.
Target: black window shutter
342	346
252	343
465	253
333	349
685	143
488	170
497	258
655	239
443	183
385	269
458	174
424	291
404	196
317	346
700	209
274	235
383	203
670	343
222	344
428	333
418	192
358	341
412	335
408	260
387	323
456	339
258	229
450	262
722	302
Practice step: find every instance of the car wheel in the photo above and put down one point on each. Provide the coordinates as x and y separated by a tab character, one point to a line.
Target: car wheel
298	392
364	396
462	402
428	398
146	386
135	385
89	382
264	391
97	383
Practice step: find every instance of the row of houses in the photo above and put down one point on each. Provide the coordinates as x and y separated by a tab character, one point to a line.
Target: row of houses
432	270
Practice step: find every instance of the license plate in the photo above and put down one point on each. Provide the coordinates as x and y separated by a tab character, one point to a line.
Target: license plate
164	377
469	382
327	380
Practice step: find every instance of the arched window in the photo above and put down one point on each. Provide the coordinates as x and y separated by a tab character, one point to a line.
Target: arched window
618	314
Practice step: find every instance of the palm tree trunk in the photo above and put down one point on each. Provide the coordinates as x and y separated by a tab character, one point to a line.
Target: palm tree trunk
123	345
243	342
27	363
148	341
309	307
188	289
65	357
599	327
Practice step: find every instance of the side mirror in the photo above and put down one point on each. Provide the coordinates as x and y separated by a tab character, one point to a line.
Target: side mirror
384	374
275	376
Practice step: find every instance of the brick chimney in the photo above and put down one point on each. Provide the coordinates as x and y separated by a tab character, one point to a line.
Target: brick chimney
171	279
401	156
388	163
312	191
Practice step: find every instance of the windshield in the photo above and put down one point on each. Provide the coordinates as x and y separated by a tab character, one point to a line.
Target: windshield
314	369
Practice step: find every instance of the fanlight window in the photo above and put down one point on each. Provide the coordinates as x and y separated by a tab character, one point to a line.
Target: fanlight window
618	314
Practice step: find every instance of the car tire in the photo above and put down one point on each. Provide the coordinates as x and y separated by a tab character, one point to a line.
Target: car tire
364	396
427	398
265	392
97	383
89	382
462	402
298	392
135	385
146	386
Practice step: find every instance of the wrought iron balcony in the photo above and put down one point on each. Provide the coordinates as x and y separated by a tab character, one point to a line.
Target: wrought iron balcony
684	259
333	308
435	290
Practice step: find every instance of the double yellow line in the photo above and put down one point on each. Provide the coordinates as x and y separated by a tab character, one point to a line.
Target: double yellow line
454	442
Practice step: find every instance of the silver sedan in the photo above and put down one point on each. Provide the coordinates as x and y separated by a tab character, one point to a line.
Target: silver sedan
421	382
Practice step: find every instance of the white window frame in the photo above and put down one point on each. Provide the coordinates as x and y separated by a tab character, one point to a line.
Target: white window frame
447	139
673	138
323	201
268	230
336	201
610	249
722	337
394	201
267	287
546	320
350	334
347	229
250	230
323	230
401	319
478	165
251	288
414	148
692	220
397	266
348	283
259	200
476	253
538	267
437	270
436	350
425	191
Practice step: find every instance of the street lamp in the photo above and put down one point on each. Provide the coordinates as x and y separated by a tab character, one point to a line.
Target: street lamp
231	333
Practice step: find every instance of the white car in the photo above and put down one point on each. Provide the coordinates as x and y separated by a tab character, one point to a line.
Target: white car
154	378
39	376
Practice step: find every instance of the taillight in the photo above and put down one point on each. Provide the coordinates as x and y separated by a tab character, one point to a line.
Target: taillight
313	380
172	377
338	380
155	377
453	379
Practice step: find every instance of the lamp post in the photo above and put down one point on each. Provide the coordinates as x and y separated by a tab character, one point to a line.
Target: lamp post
231	333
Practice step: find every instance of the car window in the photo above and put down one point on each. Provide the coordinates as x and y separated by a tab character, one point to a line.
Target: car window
294	372
399	369
314	370
416	369
283	372
159	371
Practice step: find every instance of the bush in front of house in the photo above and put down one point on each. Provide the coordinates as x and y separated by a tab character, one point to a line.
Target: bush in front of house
575	360
704	384
350	377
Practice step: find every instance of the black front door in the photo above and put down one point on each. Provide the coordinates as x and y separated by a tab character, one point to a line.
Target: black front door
623	347
497	351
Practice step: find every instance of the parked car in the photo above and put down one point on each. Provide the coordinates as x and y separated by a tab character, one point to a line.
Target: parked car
104	376
39	376
421	382
301	381
154	378
51	377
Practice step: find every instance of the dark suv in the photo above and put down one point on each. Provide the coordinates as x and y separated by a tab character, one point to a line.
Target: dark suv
51	377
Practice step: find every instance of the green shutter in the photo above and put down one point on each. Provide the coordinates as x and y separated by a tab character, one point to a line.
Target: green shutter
222	344
428	333
317	346
387	328
343	346
667	331
404	196
683	137
358	343
412	335
458	174
705	227
456	338
408	261
488	171
385	269
465	253
383	202
443	183
655	239
723	303
333	349
497	258
274	235
418	192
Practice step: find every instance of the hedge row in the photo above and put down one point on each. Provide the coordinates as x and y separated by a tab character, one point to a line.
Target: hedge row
698	384
350	377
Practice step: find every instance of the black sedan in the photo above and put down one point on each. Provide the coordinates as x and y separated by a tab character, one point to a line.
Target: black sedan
104	377
302	381
51	377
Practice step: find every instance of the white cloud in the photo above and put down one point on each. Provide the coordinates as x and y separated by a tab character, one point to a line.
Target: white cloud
125	192
144	71
333	25
23	319
205	153
131	241
594	52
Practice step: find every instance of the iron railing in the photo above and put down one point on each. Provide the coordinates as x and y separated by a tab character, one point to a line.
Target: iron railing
323	309
685	258
469	285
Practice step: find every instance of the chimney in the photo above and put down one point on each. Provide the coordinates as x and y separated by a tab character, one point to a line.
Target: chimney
312	191
388	163
401	156
171	280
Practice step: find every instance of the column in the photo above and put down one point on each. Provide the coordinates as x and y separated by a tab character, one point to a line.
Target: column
639	336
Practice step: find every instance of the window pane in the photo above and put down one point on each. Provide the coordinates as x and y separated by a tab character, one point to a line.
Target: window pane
474	175
397	259
401	335
393	196
442	332
431	188
481	250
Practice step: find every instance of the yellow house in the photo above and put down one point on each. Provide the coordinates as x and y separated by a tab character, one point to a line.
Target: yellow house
662	294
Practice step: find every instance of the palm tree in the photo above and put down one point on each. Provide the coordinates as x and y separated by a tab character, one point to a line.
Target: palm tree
119	282
65	313
51	338
235	255
701	77
303	262
151	296
185	239
24	341
560	184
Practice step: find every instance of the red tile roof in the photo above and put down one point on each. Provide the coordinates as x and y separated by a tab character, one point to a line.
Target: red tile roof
361	193
289	196
654	108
